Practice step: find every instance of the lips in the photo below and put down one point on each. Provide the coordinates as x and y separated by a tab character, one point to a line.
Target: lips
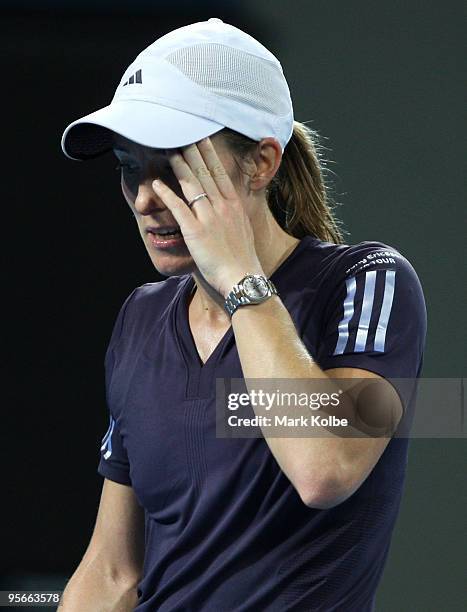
165	241
162	229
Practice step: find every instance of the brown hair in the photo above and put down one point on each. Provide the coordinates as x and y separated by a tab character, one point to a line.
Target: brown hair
298	195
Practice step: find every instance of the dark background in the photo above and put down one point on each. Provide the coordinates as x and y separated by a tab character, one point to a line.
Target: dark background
383	82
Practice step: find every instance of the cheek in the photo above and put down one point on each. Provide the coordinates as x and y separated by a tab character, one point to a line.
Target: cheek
129	195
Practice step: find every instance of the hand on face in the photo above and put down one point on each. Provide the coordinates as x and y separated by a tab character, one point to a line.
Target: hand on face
216	229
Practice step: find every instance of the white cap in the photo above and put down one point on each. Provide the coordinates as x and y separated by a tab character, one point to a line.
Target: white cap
187	85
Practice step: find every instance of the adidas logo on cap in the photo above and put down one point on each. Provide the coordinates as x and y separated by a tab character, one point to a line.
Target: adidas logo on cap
135	78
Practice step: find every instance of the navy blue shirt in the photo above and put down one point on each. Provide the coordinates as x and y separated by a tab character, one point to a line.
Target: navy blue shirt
225	530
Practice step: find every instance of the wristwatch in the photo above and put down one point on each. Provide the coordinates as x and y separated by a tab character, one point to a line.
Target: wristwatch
252	289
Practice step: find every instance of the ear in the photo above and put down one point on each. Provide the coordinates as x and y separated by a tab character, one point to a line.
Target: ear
267	157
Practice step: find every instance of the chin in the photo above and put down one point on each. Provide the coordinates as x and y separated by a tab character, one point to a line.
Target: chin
173	266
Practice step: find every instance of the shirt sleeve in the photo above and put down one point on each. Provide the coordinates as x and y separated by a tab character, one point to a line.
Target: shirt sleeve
375	317
113	461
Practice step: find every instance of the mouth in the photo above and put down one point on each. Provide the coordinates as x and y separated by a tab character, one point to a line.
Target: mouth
166	236
162	231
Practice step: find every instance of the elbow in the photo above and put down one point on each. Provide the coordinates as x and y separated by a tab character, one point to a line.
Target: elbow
324	493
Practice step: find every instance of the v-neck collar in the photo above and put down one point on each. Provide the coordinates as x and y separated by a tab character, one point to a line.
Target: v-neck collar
194	364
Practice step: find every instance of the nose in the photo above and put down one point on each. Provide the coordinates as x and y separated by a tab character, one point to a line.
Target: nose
146	201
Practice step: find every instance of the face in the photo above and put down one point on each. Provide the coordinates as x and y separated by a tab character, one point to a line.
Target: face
139	166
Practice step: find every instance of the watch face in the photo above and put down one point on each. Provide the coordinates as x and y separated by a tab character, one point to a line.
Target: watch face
255	287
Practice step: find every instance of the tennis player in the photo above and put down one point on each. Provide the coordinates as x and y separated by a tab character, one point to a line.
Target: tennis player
230	199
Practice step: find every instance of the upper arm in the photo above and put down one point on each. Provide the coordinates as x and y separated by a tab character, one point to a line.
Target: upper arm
114	463
374	327
375	318
116	546
117	541
381	412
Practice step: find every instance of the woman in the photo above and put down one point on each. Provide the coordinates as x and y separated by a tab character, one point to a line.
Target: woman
259	285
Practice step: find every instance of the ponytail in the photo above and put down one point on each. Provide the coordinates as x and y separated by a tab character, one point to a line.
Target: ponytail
298	194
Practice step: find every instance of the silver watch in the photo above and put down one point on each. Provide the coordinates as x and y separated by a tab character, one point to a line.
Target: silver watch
252	289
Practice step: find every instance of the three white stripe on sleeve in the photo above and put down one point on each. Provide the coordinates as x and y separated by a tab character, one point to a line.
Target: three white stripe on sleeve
359	338
107	439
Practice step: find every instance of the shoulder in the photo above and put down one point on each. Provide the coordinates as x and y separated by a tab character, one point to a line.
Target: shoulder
370	255
368	271
370	262
143	305
352	258
338	262
166	289
374	313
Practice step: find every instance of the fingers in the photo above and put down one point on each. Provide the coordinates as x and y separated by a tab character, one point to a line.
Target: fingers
198	168
193	174
216	169
191	185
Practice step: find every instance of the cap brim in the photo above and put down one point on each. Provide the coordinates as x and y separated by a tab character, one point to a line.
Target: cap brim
145	123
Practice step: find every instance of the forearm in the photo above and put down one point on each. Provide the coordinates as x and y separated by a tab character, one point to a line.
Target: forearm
268	344
269	347
94	587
